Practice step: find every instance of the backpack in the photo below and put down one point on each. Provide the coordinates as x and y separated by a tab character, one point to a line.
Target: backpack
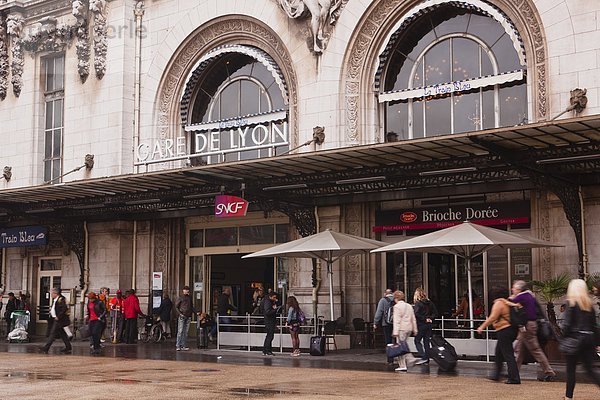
518	318
388	313
300	317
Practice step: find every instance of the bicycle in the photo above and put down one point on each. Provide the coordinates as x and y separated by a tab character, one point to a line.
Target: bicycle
152	331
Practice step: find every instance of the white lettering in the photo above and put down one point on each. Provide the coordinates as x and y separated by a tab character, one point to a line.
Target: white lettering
214	140
181	146
275	132
243	134
482	214
201	143
169	148
142	152
157	150
229	208
232	139
257	138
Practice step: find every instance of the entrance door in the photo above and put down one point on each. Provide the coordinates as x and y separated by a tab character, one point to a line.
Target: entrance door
49	276
441	282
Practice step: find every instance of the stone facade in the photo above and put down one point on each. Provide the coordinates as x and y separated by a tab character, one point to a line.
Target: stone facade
334	89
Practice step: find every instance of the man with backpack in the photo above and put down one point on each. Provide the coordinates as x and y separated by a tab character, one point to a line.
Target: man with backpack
527	338
384	317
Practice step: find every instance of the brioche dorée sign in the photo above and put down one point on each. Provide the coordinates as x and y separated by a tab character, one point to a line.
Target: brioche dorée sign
230	206
443	217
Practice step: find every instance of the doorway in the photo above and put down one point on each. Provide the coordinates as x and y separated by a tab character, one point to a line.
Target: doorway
242	276
49	276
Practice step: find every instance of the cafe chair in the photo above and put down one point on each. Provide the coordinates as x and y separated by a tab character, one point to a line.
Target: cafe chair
359	332
329	334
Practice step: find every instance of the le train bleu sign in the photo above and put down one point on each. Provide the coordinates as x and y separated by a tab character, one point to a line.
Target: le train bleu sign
221	137
24	236
443	217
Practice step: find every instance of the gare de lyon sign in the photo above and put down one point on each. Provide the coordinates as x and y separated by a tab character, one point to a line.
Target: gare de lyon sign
214	138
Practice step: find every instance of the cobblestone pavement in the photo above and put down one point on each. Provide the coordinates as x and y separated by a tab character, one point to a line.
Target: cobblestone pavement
27	376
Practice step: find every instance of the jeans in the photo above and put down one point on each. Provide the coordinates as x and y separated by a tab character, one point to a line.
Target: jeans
424	334
268	344
96	328
387	335
505	353
183	326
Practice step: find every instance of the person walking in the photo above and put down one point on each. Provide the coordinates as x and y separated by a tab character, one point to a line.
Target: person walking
131	310
295	318
104	297
224	308
425	313
96	317
270	313
384	306
527	336
500	319
58	319
404	324
580	323
185	308
164	314
116	317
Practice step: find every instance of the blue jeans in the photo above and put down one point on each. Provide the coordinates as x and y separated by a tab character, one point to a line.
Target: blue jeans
183	327
424	333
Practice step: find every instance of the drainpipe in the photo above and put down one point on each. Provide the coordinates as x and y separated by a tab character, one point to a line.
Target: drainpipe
134	256
139	13
315	291
584	256
3	277
86	270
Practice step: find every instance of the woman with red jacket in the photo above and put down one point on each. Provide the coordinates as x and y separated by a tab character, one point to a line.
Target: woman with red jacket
131	310
96	317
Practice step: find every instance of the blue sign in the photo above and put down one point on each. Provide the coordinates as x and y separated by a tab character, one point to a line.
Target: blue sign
24	236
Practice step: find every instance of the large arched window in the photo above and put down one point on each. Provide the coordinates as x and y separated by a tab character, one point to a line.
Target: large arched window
235	106
451	70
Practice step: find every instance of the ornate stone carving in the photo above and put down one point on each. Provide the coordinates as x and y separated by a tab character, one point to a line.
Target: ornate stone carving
98	9
50	37
323	16
160	245
4	66
206	39
14	28
7	173
80	12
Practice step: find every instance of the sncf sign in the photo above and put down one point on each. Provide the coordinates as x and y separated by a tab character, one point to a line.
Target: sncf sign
230	206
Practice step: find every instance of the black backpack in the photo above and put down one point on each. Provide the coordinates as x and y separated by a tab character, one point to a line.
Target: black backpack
518	318
388	313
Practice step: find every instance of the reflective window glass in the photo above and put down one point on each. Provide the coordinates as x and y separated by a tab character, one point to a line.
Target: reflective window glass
258	234
221	237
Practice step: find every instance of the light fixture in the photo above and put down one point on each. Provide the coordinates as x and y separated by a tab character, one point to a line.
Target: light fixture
361	180
146	201
282	187
569	158
448	171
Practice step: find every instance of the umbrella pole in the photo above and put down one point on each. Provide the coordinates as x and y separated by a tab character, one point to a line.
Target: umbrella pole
330	272
470	297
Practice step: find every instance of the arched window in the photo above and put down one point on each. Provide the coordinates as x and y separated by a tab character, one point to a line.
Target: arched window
451	70
235	106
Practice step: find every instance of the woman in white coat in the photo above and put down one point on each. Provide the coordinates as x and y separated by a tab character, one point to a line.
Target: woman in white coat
405	324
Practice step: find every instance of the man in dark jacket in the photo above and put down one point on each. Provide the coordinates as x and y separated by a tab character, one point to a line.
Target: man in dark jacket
57	320
385	303
164	313
185	308
224	308
11	305
270	313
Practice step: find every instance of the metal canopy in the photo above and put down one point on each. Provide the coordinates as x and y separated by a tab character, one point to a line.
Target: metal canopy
570	146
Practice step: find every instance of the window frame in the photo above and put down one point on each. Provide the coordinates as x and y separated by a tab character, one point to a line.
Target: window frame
52	96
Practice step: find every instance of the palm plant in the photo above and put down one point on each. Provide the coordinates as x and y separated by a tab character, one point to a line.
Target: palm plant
551	290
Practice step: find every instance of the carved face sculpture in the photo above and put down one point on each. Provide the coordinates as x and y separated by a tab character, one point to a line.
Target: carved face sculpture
78	9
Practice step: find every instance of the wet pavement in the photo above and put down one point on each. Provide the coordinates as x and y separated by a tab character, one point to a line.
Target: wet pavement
158	371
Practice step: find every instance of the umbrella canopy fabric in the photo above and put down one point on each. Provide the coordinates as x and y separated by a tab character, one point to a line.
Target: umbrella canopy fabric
328	246
466	240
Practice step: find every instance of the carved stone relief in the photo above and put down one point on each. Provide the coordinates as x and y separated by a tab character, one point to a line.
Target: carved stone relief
80	12
4	68
161	239
98	9
218	33
353	225
14	28
383	14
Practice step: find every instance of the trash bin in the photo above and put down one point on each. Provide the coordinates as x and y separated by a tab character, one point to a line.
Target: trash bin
20	324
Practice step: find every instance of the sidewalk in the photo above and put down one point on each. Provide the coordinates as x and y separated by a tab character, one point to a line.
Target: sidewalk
349	360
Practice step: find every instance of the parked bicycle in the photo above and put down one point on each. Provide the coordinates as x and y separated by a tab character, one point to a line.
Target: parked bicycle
152	330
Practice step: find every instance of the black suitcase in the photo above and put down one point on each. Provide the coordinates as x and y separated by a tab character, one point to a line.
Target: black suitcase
443	353
317	346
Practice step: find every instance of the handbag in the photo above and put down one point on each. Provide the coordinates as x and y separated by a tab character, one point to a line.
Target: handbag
84	331
397	349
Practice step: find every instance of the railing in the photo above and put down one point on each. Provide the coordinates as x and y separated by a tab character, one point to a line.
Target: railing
457	330
248	331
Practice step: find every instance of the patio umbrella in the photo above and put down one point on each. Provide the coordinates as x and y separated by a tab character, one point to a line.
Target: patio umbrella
328	246
466	240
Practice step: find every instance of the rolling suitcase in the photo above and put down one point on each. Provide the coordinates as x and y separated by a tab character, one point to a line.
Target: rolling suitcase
443	353
317	346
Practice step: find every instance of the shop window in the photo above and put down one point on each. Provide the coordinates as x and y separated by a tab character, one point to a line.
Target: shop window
282	233
221	237
257	234
197	238
453	70
53	81
395	271
51	265
15	274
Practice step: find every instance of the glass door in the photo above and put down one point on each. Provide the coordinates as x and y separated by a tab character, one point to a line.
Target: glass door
49	277
198	282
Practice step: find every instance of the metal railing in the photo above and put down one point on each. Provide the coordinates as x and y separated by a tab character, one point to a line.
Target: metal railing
460	328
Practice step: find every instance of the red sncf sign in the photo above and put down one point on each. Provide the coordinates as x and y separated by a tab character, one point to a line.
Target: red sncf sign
230	206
